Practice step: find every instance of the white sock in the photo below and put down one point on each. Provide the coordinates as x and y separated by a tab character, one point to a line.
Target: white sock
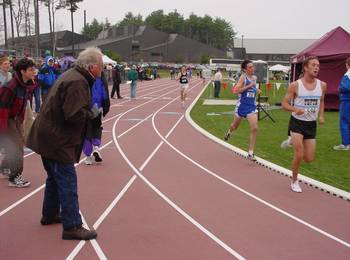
250	152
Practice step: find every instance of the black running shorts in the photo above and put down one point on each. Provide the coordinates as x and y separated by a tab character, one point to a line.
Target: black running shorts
305	128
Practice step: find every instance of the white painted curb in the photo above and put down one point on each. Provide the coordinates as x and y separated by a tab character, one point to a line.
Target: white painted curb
274	167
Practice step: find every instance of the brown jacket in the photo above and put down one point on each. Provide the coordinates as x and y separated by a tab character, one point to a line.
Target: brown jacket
58	132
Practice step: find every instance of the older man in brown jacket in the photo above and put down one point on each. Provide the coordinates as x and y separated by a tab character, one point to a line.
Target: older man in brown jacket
57	135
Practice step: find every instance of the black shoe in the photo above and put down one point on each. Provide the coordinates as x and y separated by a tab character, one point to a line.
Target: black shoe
79	233
227	136
112	97
120	97
251	157
96	153
49	221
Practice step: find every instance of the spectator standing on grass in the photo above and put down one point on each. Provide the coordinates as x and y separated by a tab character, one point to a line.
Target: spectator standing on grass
58	134
307	96
344	110
217	83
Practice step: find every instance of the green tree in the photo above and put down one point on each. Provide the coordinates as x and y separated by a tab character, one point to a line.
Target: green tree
92	30
173	23
113	55
205	58
130	19
155	19
72	6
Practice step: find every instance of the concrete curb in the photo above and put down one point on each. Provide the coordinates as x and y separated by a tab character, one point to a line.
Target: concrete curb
274	167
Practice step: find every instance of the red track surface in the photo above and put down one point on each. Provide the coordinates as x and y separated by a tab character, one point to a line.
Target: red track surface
180	196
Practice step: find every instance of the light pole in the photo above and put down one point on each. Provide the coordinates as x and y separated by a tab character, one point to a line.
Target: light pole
242	40
5	23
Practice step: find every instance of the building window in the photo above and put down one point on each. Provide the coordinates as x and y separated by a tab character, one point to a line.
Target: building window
156	54
135	47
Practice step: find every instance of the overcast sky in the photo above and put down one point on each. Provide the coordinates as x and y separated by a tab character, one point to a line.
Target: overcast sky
300	19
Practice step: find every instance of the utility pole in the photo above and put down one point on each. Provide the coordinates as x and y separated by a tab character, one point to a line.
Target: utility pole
5	23
84	19
37	28
12	28
71	17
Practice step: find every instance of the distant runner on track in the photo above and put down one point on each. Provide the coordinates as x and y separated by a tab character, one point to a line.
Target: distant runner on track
184	83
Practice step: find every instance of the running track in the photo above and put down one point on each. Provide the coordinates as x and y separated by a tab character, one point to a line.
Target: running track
165	191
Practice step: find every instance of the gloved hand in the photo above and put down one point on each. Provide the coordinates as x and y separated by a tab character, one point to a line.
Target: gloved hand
95	111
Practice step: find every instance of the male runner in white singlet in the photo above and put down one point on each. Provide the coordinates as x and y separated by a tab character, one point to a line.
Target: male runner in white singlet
307	94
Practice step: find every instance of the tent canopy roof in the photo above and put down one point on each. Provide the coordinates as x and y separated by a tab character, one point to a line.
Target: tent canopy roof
108	60
279	67
334	43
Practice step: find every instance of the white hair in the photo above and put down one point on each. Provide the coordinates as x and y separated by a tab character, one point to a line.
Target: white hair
89	56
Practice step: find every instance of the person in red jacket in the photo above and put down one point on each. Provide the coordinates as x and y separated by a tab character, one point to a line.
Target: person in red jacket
13	99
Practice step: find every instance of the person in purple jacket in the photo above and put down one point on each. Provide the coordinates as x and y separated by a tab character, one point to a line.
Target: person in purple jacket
92	141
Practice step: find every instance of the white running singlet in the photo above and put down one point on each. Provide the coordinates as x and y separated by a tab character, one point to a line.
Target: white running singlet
308	100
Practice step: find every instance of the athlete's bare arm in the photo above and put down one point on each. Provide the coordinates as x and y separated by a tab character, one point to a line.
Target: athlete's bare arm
321	111
291	94
241	84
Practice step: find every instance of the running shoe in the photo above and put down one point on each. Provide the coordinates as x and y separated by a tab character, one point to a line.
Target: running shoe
286	144
96	153
88	160
295	186
227	135
251	157
341	147
19	182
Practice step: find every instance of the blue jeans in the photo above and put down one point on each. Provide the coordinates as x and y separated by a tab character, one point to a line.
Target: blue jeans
133	89
217	85
61	192
345	122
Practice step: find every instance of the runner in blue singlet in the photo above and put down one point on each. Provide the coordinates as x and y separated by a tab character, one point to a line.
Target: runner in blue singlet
246	107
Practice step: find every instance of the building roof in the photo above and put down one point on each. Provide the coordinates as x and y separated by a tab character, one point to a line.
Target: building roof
273	46
93	43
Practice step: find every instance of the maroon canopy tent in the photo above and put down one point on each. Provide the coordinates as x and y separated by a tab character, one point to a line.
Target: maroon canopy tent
332	49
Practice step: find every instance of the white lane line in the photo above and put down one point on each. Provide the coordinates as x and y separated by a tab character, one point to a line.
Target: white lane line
15	204
80	245
150	156
131	128
159	145
29	154
107	211
172	204
114	202
248	193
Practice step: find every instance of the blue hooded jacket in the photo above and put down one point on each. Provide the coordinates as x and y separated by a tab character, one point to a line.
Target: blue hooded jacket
99	94
344	87
47	75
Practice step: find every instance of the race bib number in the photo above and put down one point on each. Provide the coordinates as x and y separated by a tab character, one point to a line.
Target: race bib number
250	94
